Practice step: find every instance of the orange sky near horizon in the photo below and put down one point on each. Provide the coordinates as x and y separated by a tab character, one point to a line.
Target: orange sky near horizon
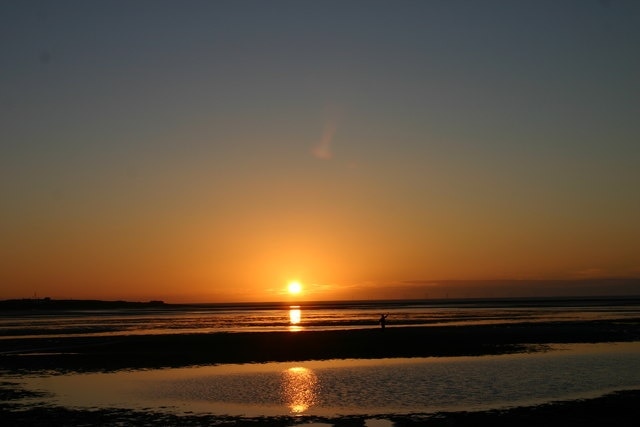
361	151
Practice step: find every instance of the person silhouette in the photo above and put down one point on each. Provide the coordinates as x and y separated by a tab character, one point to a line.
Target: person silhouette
383	320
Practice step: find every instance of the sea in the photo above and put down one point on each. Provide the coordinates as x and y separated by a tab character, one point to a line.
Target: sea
376	388
325	315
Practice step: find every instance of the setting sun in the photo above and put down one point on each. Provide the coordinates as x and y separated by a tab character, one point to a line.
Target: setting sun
294	287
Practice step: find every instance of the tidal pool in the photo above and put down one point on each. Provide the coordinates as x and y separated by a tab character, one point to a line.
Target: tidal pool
356	387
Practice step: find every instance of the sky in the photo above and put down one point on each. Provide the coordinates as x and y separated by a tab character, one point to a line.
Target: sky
195	151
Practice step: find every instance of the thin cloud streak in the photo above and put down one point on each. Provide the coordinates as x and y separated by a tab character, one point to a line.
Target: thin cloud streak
324	150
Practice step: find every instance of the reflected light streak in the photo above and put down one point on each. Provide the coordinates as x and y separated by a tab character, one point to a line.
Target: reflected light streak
295	316
299	389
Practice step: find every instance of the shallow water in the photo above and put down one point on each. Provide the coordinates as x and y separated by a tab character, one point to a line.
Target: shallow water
318	316
350	387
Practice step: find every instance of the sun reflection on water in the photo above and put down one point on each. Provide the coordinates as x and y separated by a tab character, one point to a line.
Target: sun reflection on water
295	317
299	389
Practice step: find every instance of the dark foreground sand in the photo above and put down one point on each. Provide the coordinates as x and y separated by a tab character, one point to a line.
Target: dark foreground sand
149	351
82	354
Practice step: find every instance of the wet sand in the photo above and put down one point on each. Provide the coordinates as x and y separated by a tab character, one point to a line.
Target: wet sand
86	354
153	351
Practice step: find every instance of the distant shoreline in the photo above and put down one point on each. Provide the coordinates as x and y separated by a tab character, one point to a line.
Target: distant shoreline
49	304
52	306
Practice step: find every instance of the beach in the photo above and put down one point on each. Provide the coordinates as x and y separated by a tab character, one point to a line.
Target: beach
175	350
70	354
619	409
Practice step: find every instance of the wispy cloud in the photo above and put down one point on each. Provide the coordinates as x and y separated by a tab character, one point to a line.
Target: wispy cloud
323	150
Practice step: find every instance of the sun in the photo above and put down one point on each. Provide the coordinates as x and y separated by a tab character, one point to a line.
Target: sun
294	287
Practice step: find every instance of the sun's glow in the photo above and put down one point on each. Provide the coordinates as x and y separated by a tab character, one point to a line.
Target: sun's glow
294	287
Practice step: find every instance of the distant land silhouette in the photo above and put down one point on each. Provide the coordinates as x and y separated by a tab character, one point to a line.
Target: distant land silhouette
70	304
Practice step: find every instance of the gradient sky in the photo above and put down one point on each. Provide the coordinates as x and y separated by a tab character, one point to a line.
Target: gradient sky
215	150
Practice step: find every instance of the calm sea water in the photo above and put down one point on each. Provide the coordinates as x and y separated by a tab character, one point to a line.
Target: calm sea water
356	387
307	316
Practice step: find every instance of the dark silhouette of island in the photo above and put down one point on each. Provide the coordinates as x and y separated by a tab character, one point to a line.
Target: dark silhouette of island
49	304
